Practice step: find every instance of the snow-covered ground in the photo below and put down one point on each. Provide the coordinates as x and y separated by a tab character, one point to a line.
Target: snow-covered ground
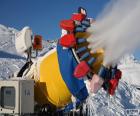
10	60
128	93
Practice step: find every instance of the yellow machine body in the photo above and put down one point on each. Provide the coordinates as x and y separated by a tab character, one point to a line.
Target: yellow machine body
51	87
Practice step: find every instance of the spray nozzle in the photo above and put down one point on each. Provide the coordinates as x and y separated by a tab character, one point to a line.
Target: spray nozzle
104	72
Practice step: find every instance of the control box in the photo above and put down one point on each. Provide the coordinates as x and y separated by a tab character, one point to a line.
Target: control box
16	96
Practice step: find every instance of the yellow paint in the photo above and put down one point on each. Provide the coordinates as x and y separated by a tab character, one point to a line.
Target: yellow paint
51	87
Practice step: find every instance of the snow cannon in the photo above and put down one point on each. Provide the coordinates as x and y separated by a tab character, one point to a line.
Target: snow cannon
61	74
89	65
62	71
28	44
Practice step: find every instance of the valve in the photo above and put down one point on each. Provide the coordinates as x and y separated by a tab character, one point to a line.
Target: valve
113	83
67	25
68	40
78	17
81	70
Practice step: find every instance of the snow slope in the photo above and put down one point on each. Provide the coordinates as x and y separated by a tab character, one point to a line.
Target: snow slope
10	60
131	70
127	96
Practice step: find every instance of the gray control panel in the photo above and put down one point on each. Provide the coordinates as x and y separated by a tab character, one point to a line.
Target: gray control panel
16	96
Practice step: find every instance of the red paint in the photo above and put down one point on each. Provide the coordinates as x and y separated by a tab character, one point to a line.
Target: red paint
114	82
67	25
78	17
81	70
68	40
37	45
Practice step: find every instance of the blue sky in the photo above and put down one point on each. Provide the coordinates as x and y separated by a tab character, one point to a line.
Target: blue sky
43	16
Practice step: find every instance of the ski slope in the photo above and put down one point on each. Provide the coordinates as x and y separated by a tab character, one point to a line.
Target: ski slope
127	96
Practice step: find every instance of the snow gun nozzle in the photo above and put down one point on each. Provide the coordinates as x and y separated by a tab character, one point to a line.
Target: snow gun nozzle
103	72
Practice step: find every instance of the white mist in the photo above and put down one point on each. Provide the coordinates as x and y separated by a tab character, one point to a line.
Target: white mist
116	30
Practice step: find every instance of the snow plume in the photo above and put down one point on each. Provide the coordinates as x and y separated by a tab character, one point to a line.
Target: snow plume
116	30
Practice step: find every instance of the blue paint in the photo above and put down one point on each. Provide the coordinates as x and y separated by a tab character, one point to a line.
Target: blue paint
91	61
79	29
81	40
84	56
67	64
82	49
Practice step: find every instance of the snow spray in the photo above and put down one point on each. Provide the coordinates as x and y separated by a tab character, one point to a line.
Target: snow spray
116	30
